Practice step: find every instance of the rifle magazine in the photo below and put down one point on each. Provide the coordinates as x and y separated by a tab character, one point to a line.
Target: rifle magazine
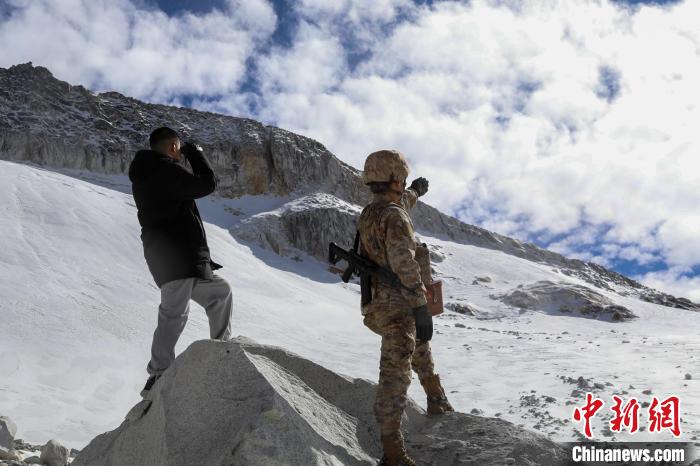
366	288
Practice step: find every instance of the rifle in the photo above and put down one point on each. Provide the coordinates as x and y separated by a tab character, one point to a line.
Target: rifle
366	269
363	267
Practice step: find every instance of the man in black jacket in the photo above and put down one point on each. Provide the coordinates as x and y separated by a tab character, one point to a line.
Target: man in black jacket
175	243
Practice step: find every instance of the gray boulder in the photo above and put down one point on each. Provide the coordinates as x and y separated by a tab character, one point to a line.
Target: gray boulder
565	298
462	308
54	454
10	455
8	430
306	224
243	403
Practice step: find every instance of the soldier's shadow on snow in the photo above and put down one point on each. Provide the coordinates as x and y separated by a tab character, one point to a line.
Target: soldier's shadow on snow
299	263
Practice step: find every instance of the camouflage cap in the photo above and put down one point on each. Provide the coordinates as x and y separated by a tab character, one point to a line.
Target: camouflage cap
384	166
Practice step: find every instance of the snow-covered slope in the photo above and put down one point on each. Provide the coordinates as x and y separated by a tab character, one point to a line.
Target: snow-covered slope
79	307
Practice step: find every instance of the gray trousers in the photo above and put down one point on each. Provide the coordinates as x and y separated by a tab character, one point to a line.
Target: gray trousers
213	295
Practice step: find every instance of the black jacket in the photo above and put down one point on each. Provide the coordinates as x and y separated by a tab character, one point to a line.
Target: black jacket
174	240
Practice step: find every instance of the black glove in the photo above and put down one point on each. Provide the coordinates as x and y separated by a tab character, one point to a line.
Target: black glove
189	148
420	186
424	323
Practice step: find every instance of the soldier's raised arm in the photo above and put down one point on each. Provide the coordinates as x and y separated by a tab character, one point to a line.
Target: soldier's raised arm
409	199
410	196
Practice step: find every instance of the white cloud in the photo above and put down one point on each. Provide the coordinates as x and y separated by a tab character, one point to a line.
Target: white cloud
357	23
117	45
680	238
314	63
257	17
353	11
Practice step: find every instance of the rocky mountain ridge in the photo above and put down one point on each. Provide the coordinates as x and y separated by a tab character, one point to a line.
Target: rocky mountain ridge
53	123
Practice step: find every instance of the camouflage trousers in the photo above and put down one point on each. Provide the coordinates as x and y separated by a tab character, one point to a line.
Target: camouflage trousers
399	354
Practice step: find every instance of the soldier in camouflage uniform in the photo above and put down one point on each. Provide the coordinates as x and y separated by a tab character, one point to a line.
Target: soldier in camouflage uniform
400	316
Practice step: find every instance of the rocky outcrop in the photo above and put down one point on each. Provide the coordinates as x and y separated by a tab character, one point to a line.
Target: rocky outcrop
462	308
565	298
52	123
54	454
307	224
8	430
247	404
24	453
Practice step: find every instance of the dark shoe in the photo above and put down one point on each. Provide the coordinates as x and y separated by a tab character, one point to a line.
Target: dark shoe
437	400
149	384
394	451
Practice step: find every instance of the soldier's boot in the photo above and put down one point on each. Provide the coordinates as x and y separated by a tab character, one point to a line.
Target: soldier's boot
437	400
394	451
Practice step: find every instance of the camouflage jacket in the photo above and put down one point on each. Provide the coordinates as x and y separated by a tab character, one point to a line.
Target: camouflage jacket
386	237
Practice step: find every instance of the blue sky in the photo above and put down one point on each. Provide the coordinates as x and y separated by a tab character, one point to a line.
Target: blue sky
569	123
